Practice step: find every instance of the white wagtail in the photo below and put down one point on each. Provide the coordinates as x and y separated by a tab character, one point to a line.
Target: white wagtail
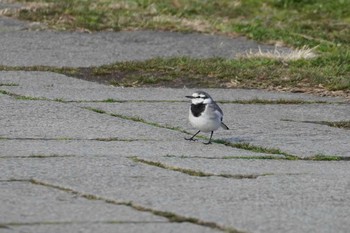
205	115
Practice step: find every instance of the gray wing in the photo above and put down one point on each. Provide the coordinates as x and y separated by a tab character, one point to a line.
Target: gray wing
216	110
218	113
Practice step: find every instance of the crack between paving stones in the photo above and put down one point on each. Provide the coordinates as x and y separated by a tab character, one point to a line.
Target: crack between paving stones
335	124
311	158
38	156
197	173
172	217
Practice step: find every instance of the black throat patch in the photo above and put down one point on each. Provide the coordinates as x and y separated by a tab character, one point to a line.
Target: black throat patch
197	109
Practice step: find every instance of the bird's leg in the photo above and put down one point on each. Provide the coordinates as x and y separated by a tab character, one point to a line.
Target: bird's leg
191	138
209	142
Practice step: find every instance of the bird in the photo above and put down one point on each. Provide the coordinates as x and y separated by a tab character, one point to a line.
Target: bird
205	115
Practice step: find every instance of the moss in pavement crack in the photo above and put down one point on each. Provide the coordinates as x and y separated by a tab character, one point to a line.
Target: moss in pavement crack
192	172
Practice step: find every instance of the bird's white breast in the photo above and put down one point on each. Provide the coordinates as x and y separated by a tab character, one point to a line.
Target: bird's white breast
207	121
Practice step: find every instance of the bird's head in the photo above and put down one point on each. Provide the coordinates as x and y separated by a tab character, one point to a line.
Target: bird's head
200	97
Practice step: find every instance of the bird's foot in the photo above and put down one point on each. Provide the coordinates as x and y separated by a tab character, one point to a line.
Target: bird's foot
207	143
191	139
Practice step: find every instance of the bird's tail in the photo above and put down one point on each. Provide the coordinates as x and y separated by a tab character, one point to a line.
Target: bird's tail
224	126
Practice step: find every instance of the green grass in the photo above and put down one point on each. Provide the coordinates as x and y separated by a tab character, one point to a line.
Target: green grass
322	24
259	73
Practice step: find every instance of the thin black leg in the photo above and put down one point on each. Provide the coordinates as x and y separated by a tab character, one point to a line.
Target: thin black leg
191	138
209	142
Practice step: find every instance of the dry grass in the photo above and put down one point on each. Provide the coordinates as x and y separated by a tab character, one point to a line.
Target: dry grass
296	54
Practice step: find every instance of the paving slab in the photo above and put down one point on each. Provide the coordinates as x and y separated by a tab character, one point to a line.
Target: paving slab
265	125
63	147
233	166
47	210
112	228
7	24
74	49
60	206
47	119
275	126
315	201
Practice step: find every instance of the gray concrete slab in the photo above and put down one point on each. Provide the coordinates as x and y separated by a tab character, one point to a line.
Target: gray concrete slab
48	210
317	201
46	119
254	166
261	125
176	147
112	228
7	24
56	86
75	49
23	202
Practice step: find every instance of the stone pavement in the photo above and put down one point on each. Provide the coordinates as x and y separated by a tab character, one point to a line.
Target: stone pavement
71	161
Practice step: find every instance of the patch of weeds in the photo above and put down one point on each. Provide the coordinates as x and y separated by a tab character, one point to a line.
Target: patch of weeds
116	139
258	73
4	226
64	139
161	165
21	97
9	85
337	124
6	92
96	110
321	157
257	149
60	100
110	100
42	156
263	157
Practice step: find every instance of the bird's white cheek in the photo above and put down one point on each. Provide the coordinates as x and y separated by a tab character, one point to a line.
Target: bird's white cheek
197	101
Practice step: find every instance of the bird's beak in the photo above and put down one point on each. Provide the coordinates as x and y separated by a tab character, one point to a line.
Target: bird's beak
189	96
